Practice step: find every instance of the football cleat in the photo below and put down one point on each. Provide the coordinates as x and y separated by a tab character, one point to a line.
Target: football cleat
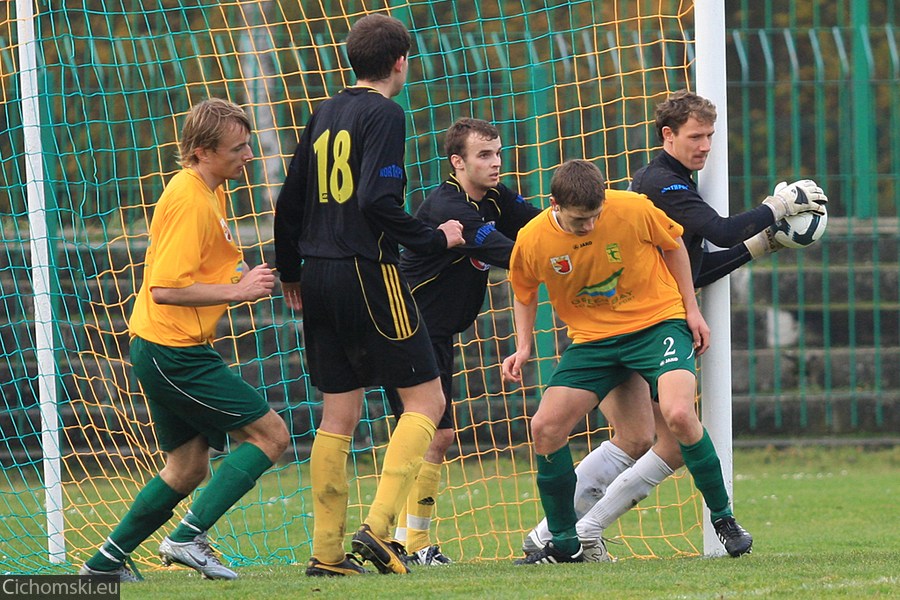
735	538
386	556
429	556
550	555
595	551
124	574
532	542
349	566
198	555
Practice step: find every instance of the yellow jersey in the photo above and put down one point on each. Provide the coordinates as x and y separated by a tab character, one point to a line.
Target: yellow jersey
190	242
609	282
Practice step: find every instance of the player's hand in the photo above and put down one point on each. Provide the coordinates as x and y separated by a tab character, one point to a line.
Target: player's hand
453	230
798	197
257	283
511	368
291	293
700	330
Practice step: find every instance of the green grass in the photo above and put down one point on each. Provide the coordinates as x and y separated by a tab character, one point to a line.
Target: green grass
825	525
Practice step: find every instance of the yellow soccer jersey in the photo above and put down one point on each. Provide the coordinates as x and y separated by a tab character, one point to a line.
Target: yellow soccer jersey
189	242
610	282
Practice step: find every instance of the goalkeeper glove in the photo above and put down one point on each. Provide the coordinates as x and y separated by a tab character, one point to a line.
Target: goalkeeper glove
763	243
799	197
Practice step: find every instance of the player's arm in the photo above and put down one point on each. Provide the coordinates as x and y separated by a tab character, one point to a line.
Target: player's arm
717	264
177	231
289	213
489	243
680	266
799	197
524	314
255	284
483	241
388	215
687	208
382	182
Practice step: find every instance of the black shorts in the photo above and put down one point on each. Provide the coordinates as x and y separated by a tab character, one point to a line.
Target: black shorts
362	327
443	353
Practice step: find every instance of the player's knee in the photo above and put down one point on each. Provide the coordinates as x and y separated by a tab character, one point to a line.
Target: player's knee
681	420
548	436
432	410
185	477
279	437
634	437
634	447
269	434
443	439
426	399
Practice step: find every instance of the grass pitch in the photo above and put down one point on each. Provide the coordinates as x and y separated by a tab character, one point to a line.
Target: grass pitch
825	524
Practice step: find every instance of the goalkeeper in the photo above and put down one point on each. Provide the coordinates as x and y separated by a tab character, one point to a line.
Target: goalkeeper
449	289
685	123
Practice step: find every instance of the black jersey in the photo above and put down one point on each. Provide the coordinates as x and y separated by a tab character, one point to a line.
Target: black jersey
343	196
449	286
669	184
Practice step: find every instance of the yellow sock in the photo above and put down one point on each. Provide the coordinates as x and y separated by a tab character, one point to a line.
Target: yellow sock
328	472
411	439
420	506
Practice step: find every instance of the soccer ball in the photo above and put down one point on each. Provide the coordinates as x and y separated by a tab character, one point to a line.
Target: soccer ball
800	231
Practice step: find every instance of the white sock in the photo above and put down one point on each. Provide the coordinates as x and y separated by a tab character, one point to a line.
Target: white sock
595	473
629	488
400	534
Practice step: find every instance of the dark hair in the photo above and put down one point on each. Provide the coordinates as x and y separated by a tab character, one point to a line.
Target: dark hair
578	184
205	125
374	44
681	106
458	134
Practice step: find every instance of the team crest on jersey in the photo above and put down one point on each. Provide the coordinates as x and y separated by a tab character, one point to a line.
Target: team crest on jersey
561	264
225	230
613	253
481	266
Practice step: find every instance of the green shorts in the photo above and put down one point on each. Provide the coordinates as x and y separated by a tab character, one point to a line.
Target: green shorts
191	391
602	365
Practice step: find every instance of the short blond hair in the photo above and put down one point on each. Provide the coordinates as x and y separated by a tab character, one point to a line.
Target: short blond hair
206	125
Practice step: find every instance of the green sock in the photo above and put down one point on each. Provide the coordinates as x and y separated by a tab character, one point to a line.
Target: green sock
703	463
235	477
151	508
556	483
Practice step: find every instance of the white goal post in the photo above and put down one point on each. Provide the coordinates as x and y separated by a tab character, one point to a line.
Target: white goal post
715	374
40	272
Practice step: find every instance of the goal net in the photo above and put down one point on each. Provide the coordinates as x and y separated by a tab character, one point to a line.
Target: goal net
560	80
